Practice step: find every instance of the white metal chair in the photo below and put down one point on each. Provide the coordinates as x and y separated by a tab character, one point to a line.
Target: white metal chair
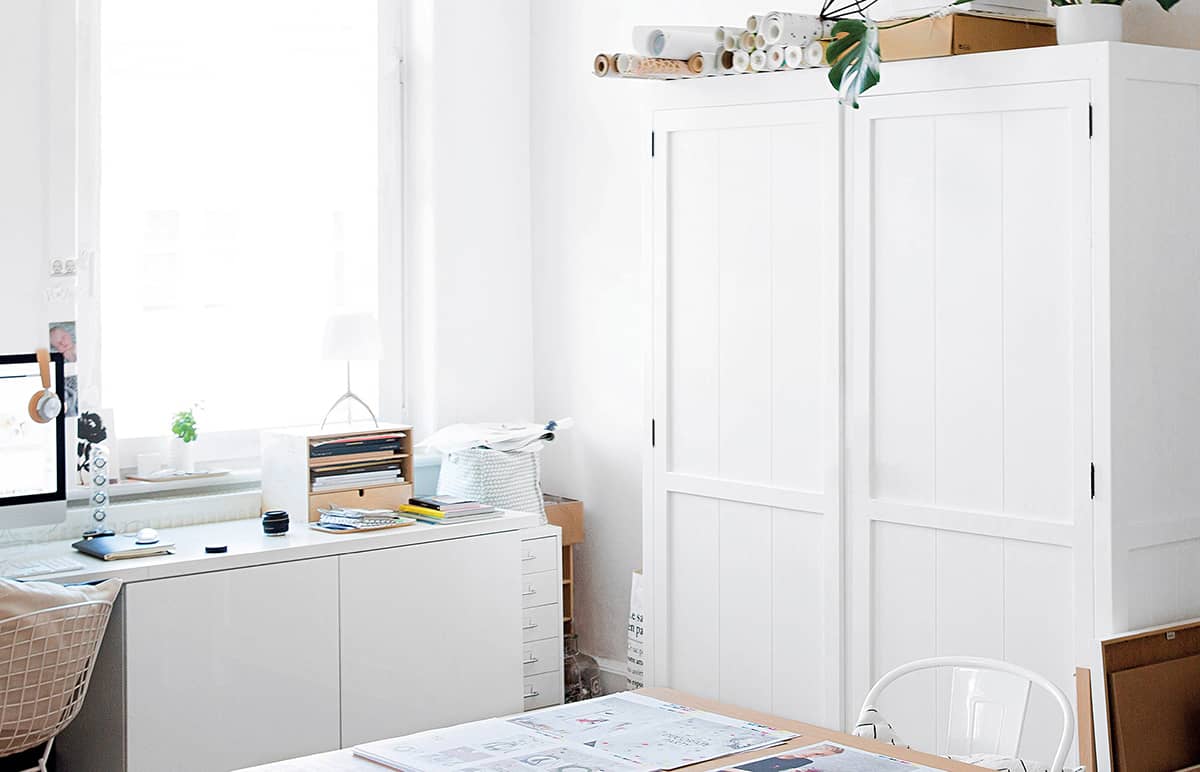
46	660
988	698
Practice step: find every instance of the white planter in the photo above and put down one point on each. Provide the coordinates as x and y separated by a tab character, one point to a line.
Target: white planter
183	455
1088	23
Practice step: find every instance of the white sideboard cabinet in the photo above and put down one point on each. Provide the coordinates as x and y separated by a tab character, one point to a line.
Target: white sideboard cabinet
924	376
289	646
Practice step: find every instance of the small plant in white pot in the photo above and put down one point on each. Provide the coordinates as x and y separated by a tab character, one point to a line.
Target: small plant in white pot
1092	21
183	426
1087	22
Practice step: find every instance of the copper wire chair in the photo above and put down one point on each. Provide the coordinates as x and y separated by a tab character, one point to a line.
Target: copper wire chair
46	660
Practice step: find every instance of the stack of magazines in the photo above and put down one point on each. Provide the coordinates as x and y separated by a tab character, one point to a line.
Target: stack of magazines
444	510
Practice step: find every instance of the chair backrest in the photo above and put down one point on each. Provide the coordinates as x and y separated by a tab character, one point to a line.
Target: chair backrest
46	660
988	699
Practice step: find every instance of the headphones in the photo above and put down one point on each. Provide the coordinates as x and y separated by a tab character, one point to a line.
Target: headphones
45	405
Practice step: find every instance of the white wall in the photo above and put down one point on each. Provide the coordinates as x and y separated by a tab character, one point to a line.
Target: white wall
590	150
468	227
23	168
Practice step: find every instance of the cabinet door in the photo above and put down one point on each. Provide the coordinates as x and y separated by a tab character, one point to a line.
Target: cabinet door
232	668
431	636
969	391
744	540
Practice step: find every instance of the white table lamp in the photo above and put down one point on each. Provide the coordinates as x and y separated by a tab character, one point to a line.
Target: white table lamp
351	337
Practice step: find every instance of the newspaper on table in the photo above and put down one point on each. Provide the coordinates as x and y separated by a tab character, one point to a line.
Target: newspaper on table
827	757
618	733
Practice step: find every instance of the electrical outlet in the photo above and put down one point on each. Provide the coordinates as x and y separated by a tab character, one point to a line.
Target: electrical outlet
63	266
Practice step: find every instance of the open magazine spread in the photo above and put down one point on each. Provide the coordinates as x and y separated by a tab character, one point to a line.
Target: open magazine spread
619	733
826	757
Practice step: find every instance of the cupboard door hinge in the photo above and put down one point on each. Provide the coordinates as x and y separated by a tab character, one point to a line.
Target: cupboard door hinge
1089	120
652	433
1093	480
652	144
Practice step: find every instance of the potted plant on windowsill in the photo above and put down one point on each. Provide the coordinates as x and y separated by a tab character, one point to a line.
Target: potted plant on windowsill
183	426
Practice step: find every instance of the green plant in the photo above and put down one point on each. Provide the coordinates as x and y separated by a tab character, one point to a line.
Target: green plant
184	425
854	51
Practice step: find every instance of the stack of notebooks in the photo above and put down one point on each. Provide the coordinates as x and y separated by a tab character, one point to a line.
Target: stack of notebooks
444	510
355	476
356	462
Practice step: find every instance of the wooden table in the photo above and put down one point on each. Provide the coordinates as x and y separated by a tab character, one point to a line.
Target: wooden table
346	761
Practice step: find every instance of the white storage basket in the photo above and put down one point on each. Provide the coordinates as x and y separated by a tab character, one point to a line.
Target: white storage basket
507	479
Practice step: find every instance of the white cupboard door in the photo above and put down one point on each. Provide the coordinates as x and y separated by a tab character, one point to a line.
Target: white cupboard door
232	668
431	636
969	409
742	546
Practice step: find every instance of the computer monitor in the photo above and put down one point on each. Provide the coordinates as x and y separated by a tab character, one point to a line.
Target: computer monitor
33	456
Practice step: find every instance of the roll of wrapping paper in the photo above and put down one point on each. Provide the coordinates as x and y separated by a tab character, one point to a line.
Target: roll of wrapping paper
604	65
652	67
673	42
725	62
741	61
827	28
753	23
746	41
733	36
793	57
758	61
814	53
760	41
791	29
775	57
702	64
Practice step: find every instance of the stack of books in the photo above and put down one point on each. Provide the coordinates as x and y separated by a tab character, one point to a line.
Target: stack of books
329	478
373	447
444	510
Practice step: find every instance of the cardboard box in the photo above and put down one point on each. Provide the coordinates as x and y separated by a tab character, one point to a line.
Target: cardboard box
962	33
567	514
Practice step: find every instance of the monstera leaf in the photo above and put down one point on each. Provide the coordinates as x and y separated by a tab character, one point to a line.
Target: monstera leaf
854	54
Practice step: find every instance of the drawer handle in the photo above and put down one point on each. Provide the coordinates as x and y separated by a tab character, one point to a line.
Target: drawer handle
529	592
528	556
530	661
530	695
530	626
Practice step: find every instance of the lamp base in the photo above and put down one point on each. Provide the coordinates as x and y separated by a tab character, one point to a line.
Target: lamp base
349	396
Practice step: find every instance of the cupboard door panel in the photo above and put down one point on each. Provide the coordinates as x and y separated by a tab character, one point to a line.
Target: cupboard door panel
232	669
424	625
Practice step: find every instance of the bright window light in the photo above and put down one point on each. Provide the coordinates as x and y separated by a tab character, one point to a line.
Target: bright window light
238	206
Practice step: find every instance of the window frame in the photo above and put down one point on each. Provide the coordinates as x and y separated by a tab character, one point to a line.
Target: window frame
239	449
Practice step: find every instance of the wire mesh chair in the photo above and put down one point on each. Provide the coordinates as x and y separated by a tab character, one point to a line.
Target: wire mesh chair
46	660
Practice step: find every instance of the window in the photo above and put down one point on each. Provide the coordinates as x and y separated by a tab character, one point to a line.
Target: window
239	160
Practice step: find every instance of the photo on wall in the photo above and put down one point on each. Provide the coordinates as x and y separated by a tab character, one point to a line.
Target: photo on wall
64	341
71	396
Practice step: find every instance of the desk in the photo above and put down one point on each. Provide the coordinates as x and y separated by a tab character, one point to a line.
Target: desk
285	646
345	761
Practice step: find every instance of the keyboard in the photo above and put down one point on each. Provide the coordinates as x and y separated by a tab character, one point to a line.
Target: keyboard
24	569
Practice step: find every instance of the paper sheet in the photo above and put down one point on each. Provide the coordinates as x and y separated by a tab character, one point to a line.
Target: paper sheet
827	757
618	733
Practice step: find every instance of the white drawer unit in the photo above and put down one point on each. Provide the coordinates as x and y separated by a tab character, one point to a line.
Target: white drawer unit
544	689
542	656
540	589
542	616
541	554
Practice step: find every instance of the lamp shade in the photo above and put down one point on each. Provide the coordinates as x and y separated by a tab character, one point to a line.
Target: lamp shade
352	336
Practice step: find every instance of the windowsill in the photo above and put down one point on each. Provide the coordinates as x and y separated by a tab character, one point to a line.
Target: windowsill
127	489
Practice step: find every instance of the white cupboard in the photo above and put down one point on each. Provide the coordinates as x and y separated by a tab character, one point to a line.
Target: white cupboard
232	668
407	664
923	375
